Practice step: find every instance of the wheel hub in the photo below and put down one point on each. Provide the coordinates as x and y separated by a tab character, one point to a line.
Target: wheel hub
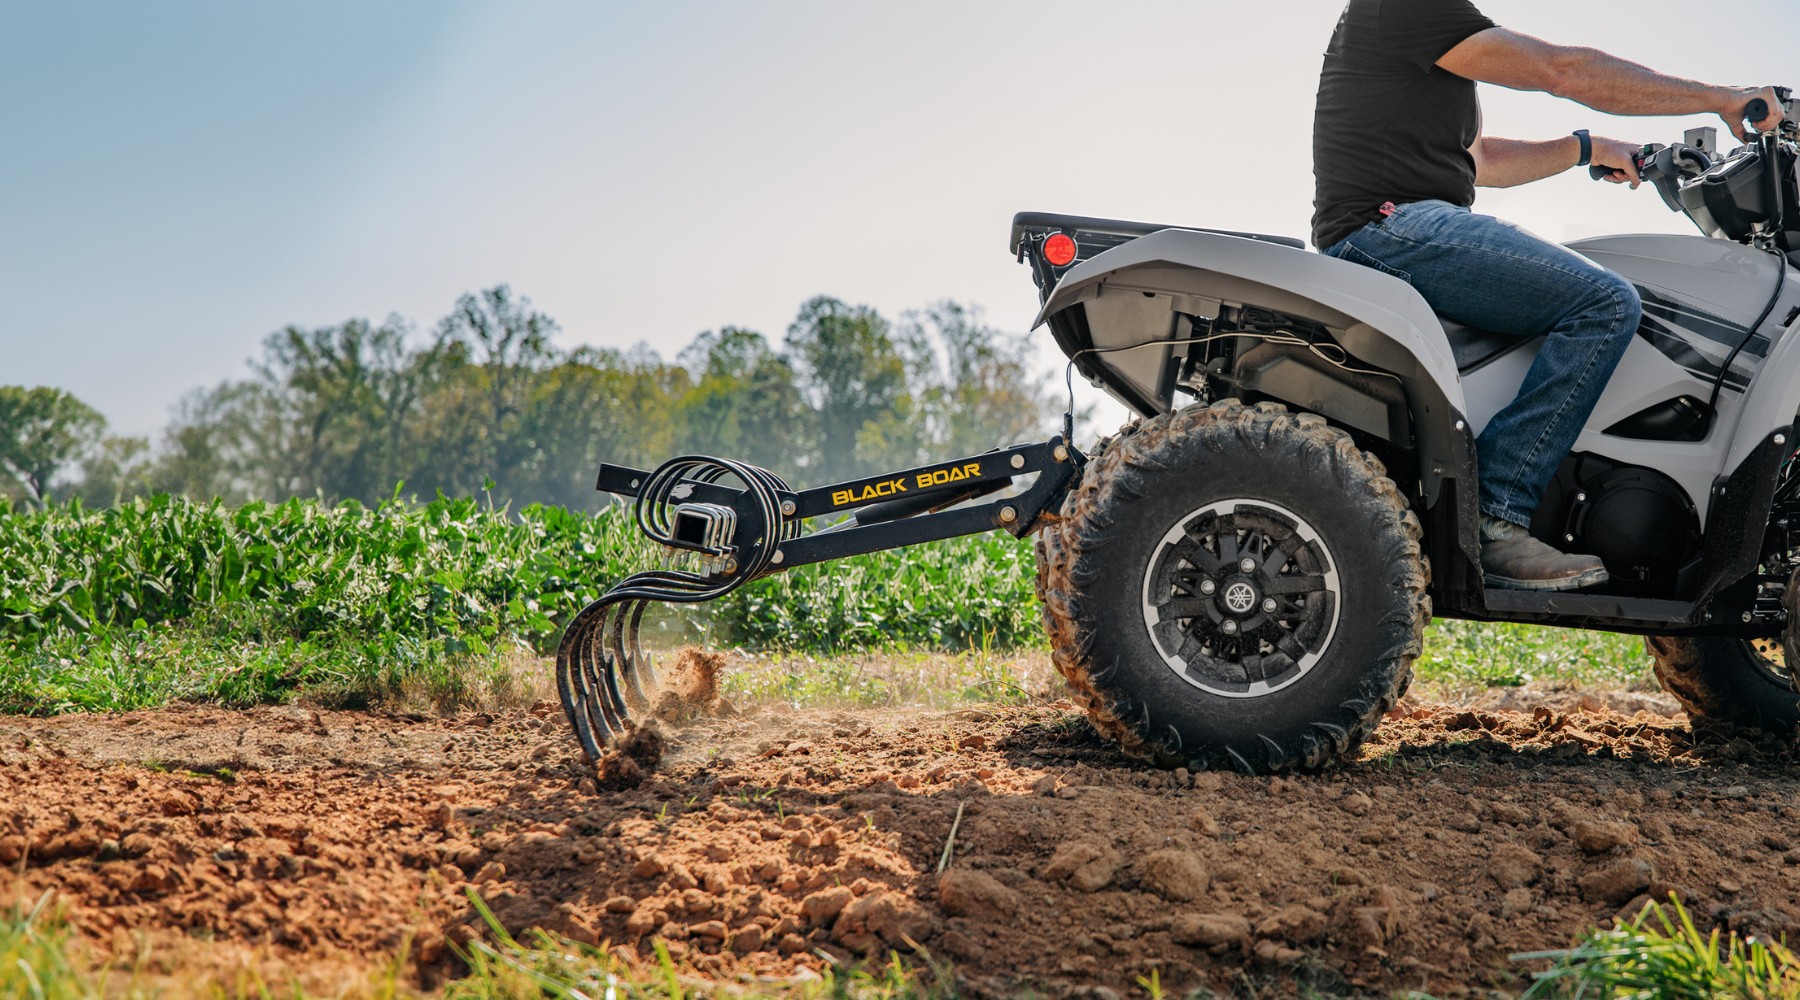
1241	598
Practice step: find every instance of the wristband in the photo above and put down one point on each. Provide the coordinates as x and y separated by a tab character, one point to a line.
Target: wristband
1587	147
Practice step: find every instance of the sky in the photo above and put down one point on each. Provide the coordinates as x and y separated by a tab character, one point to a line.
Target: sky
180	179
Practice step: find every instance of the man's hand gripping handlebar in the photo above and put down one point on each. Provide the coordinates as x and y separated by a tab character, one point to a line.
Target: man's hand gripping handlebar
1622	163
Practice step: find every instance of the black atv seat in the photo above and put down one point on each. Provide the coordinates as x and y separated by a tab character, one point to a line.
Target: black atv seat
1473	348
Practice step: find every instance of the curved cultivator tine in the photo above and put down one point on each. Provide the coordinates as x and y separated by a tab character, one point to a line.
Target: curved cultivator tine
602	641
581	661
632	660
599	645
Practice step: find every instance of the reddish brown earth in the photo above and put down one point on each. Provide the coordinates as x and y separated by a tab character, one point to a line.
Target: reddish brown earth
771	842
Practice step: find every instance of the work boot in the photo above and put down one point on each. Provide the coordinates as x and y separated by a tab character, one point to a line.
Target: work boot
1512	559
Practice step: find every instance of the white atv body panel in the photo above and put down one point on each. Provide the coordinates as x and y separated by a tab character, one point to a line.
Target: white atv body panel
1700	296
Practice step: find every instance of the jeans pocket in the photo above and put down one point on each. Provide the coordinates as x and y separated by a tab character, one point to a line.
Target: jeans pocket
1355	256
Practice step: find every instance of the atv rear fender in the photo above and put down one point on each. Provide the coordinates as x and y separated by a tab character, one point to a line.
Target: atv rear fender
1138	293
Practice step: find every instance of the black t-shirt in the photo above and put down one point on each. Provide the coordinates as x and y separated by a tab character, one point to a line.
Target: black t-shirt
1391	125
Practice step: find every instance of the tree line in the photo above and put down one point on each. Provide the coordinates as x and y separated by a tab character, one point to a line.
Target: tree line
485	401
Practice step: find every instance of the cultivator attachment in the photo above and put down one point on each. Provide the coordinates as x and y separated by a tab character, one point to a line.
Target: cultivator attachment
732	523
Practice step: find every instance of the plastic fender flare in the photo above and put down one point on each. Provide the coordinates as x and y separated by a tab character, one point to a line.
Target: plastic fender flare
1376	316
1382	318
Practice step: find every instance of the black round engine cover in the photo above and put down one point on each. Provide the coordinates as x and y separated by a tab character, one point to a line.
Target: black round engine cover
1638	521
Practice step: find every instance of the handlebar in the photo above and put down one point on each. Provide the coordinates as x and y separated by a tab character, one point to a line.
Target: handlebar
1757	109
1600	173
1754	111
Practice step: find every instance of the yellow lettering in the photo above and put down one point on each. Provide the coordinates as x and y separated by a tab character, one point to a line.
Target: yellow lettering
938	477
840	498
899	486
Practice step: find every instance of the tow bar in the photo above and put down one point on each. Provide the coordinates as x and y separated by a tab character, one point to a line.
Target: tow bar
742	533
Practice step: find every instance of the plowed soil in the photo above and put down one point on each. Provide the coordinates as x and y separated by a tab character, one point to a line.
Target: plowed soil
770	842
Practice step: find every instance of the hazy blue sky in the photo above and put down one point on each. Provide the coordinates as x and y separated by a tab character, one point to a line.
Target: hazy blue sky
180	179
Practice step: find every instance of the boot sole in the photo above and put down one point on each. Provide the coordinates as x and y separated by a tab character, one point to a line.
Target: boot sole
1589	578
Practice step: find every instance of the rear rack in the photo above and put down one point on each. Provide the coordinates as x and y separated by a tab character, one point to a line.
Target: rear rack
1094	237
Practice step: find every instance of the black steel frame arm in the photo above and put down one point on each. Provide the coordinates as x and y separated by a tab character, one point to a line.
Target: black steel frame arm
756	529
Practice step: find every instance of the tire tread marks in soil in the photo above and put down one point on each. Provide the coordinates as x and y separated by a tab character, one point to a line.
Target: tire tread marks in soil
1071	549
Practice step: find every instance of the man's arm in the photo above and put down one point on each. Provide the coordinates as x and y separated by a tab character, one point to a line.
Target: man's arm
1511	162
1605	83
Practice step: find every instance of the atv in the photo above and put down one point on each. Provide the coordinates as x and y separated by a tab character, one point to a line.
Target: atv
1242	576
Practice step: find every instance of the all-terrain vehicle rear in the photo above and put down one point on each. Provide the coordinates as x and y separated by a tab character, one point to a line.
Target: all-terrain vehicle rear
1244	573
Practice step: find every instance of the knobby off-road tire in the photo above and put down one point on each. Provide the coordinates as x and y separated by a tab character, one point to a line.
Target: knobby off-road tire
1727	682
1148	563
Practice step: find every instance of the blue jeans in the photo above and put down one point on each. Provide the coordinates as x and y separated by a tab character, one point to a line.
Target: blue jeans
1495	276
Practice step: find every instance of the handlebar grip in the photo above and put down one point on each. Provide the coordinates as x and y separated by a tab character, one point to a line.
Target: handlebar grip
1756	110
1638	160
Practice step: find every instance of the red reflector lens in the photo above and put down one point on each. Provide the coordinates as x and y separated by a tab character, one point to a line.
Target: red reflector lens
1059	249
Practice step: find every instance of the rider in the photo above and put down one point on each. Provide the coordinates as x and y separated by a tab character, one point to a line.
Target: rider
1398	153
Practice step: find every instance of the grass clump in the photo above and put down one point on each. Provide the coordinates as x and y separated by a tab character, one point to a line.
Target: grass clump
554	967
1659	956
34	955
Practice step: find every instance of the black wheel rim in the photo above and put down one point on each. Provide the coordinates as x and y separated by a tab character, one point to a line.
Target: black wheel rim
1241	598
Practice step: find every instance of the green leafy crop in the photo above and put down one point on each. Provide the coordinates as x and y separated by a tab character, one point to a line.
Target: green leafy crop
165	598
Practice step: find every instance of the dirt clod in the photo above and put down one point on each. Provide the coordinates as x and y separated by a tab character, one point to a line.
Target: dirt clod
618	770
1297	924
1597	836
1618	882
1175	875
822	907
1514	866
629	762
881	917
1506	812
977	895
1208	929
1086	865
747	939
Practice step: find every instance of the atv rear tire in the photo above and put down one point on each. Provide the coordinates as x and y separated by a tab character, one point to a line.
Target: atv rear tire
1739	683
1235	587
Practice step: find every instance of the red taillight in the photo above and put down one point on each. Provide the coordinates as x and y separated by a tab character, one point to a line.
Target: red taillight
1059	249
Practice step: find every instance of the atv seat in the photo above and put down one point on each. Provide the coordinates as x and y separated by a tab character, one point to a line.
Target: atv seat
1474	348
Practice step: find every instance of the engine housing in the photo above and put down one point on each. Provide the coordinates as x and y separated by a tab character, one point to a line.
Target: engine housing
1637	520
